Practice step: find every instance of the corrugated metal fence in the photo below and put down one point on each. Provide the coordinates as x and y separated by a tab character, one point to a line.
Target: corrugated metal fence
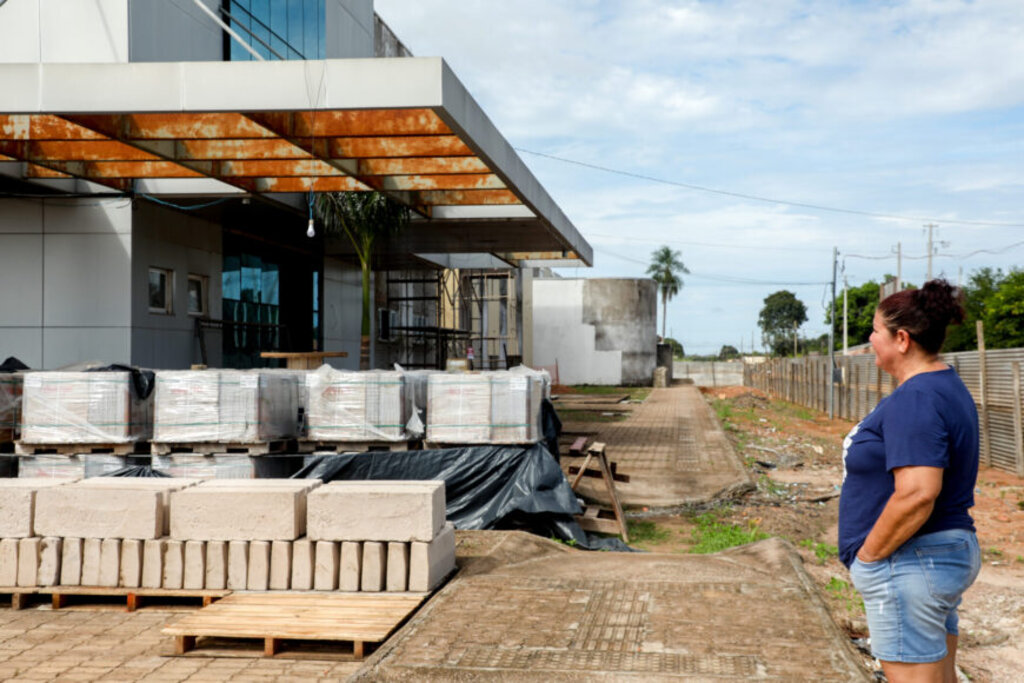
996	391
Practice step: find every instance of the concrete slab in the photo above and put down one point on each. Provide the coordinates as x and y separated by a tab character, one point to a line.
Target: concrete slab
526	609
241	510
17	504
376	510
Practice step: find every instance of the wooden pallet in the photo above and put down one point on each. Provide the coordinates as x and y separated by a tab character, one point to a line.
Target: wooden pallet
274	617
122	449
210	448
61	596
352	446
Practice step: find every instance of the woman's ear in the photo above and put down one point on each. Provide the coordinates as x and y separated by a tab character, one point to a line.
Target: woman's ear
902	341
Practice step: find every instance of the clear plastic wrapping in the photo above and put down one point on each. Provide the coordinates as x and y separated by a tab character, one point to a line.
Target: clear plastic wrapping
83	407
10	404
225	406
226	466
356	406
75	466
500	407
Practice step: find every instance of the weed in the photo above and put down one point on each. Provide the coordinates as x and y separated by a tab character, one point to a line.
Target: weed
770	486
712	535
822	551
635	393
1020	504
646	531
846	593
570	542
993	552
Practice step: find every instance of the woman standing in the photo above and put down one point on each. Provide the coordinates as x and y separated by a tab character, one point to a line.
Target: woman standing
909	474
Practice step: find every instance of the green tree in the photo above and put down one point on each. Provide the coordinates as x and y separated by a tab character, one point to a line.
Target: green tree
677	347
666	266
861	303
781	317
362	217
981	286
1004	313
728	352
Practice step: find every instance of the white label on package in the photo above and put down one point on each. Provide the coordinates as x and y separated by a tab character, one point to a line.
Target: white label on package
517	384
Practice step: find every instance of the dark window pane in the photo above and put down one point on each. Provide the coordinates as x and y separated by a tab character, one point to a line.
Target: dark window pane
157	289
295	34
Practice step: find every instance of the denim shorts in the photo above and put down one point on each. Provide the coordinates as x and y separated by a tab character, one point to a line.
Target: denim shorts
911	596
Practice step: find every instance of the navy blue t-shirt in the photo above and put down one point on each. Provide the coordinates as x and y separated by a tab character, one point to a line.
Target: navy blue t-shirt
929	420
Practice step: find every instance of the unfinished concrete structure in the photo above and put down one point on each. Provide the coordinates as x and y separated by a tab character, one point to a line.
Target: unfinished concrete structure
592	331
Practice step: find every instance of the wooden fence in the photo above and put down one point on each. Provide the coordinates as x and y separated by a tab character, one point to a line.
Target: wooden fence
993	378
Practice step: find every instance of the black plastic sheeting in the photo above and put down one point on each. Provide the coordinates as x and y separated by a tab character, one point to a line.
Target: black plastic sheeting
136	471
486	487
143	381
12	364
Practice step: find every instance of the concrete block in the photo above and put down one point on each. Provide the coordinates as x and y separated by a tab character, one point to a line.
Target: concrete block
430	563
376	511
375	557
71	562
216	564
241	510
9	562
110	562
195	565
131	563
351	566
84	512
174	564
325	575
238	565
153	562
163	486
280	565
259	566
302	564
49	562
90	562
398	567
17	504
28	560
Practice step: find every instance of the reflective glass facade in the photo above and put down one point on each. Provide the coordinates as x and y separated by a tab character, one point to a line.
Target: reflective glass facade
277	29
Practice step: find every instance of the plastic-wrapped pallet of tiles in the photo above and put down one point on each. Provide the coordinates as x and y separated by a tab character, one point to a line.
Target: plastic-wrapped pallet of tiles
83	407
356	406
516	397
459	408
224	406
10	404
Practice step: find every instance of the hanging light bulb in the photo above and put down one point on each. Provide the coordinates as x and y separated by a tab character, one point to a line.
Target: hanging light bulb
310	232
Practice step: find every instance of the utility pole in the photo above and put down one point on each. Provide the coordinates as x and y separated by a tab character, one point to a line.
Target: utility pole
845	317
931	227
832	341
899	266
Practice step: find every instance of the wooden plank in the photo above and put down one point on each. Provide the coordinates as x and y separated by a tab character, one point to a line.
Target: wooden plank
578	446
582	470
610	483
183	644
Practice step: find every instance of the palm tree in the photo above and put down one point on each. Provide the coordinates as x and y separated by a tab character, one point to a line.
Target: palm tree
664	269
363	217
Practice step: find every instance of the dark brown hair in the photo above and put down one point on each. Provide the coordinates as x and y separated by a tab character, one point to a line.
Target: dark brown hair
924	313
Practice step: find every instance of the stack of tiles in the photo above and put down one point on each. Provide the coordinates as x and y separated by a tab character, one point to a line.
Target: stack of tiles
355	406
501	407
89	533
10	404
380	536
83	407
224	406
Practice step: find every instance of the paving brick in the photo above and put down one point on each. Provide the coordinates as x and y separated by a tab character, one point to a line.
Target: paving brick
71	562
398	567
91	562
351	566
49	562
174	564
110	562
28	560
259	566
280	565
376	511
153	563
17	504
325	573
375	557
430	562
238	565
195	565
9	562
241	510
216	565
303	562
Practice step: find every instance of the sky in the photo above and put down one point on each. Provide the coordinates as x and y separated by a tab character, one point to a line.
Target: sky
861	121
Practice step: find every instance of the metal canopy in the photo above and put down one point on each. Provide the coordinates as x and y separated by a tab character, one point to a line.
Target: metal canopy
405	127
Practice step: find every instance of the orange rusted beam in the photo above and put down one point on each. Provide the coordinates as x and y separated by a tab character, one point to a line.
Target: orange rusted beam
465	197
455	181
37	171
43	127
300	184
74	150
321	124
387	147
256	169
219	150
92	170
421	166
191	126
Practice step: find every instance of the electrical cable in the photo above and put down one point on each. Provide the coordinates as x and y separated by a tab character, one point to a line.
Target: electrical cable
183	207
769	200
720	278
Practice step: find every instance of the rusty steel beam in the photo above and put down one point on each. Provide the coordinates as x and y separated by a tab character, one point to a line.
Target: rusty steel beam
74	150
299	184
465	197
37	171
391	147
94	170
191	126
260	169
232	150
457	181
43	127
329	124
421	166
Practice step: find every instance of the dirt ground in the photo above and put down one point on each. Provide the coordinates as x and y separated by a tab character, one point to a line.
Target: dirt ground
794	455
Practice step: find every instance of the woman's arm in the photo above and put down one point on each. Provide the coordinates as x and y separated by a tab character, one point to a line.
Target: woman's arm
908	508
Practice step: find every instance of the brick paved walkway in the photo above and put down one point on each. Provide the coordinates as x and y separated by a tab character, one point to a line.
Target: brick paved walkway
673	449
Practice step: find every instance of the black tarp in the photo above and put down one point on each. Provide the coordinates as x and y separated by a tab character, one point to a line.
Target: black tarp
12	364
486	487
143	381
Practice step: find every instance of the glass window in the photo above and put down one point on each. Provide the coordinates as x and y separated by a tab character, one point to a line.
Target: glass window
161	286
197	295
278	29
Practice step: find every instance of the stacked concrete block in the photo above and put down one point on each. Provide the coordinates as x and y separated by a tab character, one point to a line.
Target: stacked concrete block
83	407
9	562
430	562
17	505
224	406
356	406
241	510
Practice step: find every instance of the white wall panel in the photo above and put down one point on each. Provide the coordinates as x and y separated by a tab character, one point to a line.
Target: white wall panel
561	338
98	216
19	32
66	345
21	215
24	343
21	280
87	280
83	30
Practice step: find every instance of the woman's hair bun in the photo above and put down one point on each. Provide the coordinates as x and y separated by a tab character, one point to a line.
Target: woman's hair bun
941	302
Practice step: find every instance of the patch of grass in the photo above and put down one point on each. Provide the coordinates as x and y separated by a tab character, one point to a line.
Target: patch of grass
589	416
846	593
770	486
712	535
646	531
635	393
571	542
993	552
822	551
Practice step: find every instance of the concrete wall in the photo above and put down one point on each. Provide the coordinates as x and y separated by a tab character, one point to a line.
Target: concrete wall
186	245
597	331
350	29
710	374
65	274
342	311
173	31
64	31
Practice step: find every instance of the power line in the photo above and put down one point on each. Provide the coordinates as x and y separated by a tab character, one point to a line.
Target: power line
702	244
769	200
731	279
